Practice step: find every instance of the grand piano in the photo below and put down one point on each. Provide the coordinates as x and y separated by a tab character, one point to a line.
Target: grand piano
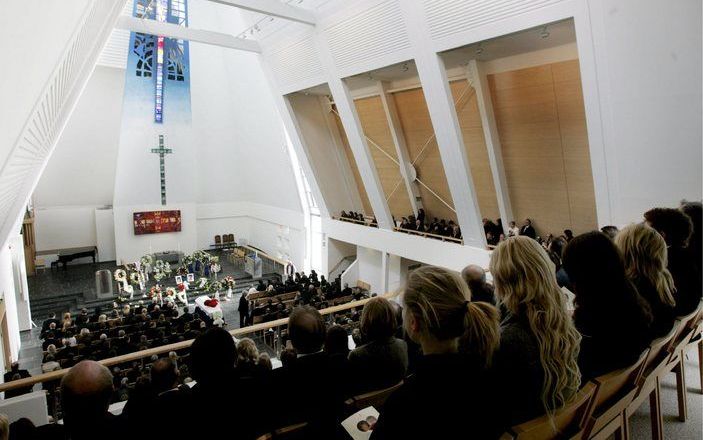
66	255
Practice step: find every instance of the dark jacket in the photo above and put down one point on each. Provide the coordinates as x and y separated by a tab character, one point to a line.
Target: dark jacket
687	279
378	364
663	314
517	372
447	395
528	231
243	304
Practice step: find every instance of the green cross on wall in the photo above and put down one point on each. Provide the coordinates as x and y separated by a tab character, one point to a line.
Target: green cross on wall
161	151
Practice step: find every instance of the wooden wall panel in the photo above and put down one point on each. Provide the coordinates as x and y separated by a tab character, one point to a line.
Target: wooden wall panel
417	128
475	144
375	126
355	169
541	123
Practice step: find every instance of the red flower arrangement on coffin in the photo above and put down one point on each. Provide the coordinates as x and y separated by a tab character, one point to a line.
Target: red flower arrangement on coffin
211	302
181	287
154	291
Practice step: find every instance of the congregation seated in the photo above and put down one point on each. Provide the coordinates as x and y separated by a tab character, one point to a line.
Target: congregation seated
612	317
536	364
676	228
449	392
475	278
382	360
438	228
645	254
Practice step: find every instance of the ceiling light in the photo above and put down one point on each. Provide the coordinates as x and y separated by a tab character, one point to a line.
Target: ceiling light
404	67
479	49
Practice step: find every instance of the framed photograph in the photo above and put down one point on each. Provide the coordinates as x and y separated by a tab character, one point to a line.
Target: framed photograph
179	279
190	277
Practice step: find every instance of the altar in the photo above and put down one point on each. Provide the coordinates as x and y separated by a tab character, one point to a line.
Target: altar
171	257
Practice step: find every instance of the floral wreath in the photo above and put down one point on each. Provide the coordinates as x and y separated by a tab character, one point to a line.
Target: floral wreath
229	282
159	275
147	260
120	275
215	268
170	291
134	278
159	264
215	286
154	291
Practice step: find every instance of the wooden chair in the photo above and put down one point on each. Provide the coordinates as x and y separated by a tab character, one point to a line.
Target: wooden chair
291	432
230	237
614	392
375	398
649	383
218	240
225	239
569	421
689	327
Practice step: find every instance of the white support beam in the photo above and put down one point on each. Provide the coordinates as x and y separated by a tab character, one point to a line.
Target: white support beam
401	147
171	30
273	8
477	76
340	155
355	136
440	103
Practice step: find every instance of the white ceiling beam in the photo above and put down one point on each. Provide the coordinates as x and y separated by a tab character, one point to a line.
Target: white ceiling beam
273	8
171	30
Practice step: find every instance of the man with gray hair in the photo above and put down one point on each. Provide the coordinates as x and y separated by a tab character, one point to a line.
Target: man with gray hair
481	290
86	391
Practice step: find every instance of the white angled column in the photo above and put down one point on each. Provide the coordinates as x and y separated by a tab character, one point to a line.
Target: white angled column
479	81
355	136
401	148
440	103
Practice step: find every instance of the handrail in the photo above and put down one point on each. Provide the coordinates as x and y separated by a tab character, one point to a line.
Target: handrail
429	234
353	220
129	357
258	252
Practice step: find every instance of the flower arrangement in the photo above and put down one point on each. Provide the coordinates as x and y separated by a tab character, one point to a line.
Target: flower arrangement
211	302
120	275
187	260
159	264
134	278
167	268
214	259
154	291
129	289
229	282
182	270
170	291
215	286
202	283
147	260
159	275
215	268
181	287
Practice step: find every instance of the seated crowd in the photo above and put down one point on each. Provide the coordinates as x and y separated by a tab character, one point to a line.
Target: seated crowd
462	365
275	299
358	217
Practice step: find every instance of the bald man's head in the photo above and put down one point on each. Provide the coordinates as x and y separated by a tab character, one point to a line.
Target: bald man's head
307	329
473	274
85	394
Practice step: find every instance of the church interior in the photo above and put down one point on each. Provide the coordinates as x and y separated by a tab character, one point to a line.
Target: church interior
367	219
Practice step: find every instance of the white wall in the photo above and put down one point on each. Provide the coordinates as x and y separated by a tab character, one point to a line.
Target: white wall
64	227
31	52
336	251
428	251
7	291
19	274
370	271
649	74
105	234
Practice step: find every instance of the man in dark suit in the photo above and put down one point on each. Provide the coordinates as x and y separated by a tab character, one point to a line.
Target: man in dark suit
51	318
481	290
527	229
243	310
320	406
16	373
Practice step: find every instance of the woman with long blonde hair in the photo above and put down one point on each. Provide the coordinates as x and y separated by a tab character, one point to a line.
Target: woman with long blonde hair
536	367
449	392
645	254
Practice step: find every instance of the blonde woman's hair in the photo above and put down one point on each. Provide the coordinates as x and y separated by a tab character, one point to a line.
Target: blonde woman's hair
378	319
525	283
441	302
4	427
247	351
645	255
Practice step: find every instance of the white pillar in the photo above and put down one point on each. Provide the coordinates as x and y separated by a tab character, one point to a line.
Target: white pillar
440	103
401	147
355	136
479	81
